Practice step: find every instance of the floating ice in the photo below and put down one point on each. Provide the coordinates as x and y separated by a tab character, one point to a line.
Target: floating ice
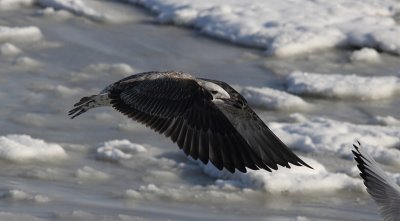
366	55
295	180
14	4
26	62
116	150
20	34
59	90
282	29
386	120
8	49
89	173
115	69
273	99
343	86
95	10
23	148
19	195
322	135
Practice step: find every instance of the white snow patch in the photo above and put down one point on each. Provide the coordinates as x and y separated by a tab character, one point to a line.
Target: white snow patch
59	90
20	34
19	195
301	180
91	174
56	14
322	135
116	150
24	148
282	29
273	99
8	49
95	10
14	4
365	55
115	69
343	86
26	62
386	120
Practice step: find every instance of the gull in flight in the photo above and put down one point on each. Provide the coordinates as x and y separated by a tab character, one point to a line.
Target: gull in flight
384	191
208	119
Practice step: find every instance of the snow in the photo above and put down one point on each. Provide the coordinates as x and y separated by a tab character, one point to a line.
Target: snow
365	55
19	195
89	173
386	120
101	70
14	4
59	90
273	99
75	6
26	62
20	34
322	136
116	150
8	49
297	180
342	86
94	10
24	148
282	29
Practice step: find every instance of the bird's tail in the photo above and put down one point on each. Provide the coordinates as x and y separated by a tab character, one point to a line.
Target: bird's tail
87	103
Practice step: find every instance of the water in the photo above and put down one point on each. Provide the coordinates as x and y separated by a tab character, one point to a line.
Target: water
71	45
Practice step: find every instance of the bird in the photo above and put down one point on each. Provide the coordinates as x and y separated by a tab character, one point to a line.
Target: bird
384	191
208	119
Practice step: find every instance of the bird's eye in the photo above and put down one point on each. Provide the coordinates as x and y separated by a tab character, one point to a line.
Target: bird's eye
214	92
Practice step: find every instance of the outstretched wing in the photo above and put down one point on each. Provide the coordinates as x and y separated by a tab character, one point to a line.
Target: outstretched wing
183	110
383	190
260	138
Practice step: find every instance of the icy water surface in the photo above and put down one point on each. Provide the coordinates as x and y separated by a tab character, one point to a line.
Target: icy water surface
102	166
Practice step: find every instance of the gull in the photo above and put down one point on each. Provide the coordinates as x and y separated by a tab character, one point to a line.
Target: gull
384	191
208	119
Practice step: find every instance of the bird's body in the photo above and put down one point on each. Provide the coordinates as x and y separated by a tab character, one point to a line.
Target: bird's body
384	191
208	119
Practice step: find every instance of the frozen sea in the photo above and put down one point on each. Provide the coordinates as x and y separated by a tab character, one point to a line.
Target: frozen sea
319	82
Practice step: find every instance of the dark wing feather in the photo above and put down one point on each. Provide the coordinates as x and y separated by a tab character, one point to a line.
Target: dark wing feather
262	140
383	190
183	111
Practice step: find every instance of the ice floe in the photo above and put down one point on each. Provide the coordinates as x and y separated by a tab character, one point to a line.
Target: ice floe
19	195
91	174
282	29
365	55
342	86
26	62
273	99
321	136
20	34
74	6
14	4
8	49
115	150
59	90
301	180
99	70
386	120
24	148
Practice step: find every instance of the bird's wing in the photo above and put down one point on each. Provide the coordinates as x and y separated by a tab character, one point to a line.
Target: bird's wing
261	139
383	190
182	110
